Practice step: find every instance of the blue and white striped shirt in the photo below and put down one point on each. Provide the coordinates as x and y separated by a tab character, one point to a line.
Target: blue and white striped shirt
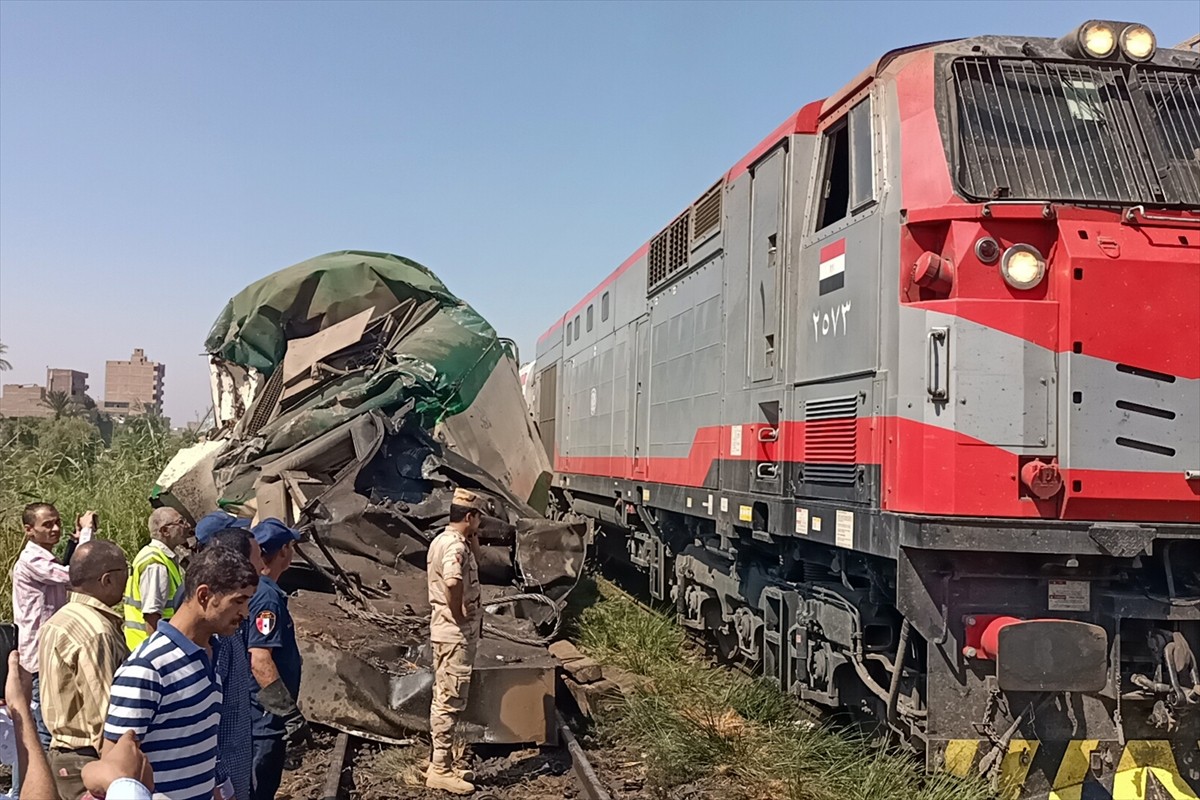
168	694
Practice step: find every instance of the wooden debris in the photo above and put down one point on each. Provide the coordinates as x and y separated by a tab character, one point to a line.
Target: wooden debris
584	670
593	698
565	651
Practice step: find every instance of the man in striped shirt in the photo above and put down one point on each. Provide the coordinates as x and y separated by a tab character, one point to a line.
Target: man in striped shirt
80	649
168	692
39	587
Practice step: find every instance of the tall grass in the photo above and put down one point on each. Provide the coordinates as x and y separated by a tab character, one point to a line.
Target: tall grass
694	723
66	462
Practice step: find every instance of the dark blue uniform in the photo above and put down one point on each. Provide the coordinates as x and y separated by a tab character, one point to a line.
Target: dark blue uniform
271	628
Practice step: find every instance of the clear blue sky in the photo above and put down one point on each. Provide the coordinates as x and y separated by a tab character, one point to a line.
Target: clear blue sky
157	157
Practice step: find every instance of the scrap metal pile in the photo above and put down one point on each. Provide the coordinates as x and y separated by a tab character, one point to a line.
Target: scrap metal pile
352	393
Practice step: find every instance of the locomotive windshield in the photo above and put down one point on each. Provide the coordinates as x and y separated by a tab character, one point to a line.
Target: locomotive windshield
1112	133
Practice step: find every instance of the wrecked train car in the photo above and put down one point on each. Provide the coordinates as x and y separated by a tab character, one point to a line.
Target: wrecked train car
351	394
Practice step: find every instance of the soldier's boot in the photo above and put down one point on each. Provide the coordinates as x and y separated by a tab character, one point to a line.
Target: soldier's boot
462	773
446	780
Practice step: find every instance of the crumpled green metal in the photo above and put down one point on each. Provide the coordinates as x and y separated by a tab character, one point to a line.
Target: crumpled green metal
441	366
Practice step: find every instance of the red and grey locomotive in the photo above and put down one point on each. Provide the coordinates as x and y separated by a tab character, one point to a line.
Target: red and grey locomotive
905	408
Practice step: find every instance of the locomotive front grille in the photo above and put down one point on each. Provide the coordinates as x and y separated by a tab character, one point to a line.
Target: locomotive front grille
1044	130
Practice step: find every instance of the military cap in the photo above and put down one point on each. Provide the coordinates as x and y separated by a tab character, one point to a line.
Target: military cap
272	535
468	499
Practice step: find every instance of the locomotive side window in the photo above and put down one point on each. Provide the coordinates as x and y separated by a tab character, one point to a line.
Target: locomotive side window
604	307
861	156
848	174
589	318
568	339
577	328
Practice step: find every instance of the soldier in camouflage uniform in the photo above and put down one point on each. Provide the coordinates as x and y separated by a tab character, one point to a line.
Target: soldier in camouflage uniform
454	630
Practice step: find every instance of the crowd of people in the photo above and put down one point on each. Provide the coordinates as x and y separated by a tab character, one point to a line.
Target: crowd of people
179	674
175	676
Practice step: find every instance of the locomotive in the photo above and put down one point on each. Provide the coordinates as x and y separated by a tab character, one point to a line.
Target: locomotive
904	409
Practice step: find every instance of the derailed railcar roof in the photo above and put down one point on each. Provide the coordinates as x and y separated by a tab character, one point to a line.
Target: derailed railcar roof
438	351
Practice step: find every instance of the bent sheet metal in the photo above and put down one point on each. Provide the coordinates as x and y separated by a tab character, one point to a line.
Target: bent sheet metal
351	394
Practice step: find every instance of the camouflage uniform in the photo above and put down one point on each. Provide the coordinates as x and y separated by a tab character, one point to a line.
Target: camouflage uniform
451	556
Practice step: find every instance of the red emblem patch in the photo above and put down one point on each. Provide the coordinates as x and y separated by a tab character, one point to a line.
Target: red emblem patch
265	622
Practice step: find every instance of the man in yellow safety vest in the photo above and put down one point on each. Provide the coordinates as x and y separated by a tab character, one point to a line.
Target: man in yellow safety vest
155	576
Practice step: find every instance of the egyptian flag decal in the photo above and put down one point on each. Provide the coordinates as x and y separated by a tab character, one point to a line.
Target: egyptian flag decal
265	622
833	266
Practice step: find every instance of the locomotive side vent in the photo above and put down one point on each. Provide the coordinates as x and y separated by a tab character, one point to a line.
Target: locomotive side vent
706	214
669	252
830	440
1144	410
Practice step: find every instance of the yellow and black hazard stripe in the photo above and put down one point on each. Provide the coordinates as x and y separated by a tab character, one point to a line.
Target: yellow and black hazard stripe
1084	769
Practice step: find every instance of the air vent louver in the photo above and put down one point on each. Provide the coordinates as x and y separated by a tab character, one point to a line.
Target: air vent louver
669	252
830	440
706	214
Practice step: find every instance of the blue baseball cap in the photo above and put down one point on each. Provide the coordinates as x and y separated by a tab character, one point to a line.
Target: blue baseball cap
272	535
212	524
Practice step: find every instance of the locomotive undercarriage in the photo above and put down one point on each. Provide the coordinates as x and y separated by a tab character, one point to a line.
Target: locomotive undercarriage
1110	699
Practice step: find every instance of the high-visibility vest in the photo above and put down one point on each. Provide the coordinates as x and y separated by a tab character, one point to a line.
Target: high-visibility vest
135	622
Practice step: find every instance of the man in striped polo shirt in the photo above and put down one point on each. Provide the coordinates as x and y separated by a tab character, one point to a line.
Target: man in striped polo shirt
168	693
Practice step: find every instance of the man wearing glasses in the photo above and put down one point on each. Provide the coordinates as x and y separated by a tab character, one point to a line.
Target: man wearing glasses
156	576
80	648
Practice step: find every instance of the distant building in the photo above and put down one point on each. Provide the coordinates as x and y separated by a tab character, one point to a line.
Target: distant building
133	387
70	382
29	399
24	400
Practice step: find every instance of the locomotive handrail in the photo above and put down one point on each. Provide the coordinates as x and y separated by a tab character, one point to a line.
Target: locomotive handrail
1135	213
937	386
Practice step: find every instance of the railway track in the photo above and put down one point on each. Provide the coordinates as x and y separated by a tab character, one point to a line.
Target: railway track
339	775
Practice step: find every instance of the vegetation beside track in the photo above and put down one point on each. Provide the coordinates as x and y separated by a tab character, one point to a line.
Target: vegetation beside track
67	462
700	725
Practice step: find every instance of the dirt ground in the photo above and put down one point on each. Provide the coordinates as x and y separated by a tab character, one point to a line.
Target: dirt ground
381	772
396	773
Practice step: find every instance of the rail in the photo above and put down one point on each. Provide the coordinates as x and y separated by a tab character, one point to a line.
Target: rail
589	783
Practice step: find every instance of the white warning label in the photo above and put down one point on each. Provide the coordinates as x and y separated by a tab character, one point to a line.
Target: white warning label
802	521
1069	596
735	440
843	529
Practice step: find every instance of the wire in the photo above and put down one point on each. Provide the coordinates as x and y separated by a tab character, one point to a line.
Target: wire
513	599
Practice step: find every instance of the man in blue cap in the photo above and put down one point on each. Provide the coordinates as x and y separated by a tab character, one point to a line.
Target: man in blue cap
275	662
209	526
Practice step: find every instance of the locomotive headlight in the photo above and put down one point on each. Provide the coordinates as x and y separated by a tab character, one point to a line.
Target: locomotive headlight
1097	39
1137	42
1022	266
